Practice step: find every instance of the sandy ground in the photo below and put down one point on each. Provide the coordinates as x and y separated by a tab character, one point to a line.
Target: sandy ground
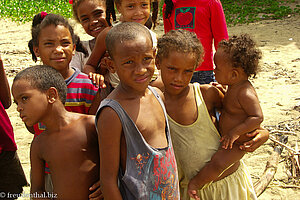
277	86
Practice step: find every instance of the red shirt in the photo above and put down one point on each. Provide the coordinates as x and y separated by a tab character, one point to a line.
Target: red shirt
7	141
204	17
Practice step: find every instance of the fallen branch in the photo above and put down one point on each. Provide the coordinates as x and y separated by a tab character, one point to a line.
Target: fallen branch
271	167
284	145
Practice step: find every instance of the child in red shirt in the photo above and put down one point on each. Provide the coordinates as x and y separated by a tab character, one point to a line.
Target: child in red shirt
204	17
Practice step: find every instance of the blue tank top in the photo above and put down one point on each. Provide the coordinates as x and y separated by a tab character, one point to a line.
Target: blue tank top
150	173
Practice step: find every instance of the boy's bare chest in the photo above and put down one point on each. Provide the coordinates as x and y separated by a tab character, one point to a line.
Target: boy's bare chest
148	116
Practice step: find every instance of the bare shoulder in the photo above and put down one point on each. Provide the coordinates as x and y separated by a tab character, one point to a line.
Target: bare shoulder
211	95
160	93
246	90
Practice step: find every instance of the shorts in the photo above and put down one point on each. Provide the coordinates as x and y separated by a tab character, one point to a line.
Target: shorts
12	177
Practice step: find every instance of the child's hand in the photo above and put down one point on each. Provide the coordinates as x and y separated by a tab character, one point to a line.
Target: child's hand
97	194
222	88
97	79
192	189
260	136
228	140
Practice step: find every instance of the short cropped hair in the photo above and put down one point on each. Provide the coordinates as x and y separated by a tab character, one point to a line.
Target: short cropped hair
42	77
181	41
123	32
243	53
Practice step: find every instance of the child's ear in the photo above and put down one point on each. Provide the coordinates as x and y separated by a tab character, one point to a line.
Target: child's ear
36	51
157	63
234	74
52	95
110	64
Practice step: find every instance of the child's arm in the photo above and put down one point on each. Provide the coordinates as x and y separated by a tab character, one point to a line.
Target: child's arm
109	132
97	53
37	170
5	97
95	104
250	104
219	162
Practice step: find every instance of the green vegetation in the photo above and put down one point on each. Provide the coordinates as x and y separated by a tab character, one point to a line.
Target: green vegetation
24	10
246	11
236	11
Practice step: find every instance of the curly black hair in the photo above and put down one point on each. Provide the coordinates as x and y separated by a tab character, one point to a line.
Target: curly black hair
182	41
243	52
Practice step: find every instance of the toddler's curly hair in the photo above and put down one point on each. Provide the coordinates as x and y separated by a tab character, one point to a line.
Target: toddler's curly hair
243	52
182	41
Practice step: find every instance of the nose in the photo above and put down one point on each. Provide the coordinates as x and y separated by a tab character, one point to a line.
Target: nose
59	48
19	108
140	69
94	21
178	77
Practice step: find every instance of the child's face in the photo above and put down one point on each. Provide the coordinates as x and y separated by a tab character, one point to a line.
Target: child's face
133	60
177	71
92	16
31	103
223	68
135	10
55	47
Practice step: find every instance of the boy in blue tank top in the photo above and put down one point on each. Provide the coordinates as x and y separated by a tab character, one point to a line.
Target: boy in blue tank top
135	144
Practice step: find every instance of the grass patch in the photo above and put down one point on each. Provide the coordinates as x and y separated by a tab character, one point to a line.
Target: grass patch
236	11
24	10
247	11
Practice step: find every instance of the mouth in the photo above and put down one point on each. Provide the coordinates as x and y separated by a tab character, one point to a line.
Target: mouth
138	20
23	118
177	86
97	29
141	79
59	59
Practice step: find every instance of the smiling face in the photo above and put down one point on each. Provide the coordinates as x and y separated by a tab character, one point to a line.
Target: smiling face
177	71
134	10
55	47
91	15
133	60
31	103
223	68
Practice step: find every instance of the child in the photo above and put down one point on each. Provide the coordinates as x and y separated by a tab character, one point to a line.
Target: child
91	15
236	60
205	18
69	145
135	145
53	41
11	172
193	126
131	11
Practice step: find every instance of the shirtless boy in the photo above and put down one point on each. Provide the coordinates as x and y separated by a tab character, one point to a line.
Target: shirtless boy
69	145
134	139
236	61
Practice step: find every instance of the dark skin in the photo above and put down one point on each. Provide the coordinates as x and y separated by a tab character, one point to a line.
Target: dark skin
241	111
176	73
5	97
69	145
133	61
